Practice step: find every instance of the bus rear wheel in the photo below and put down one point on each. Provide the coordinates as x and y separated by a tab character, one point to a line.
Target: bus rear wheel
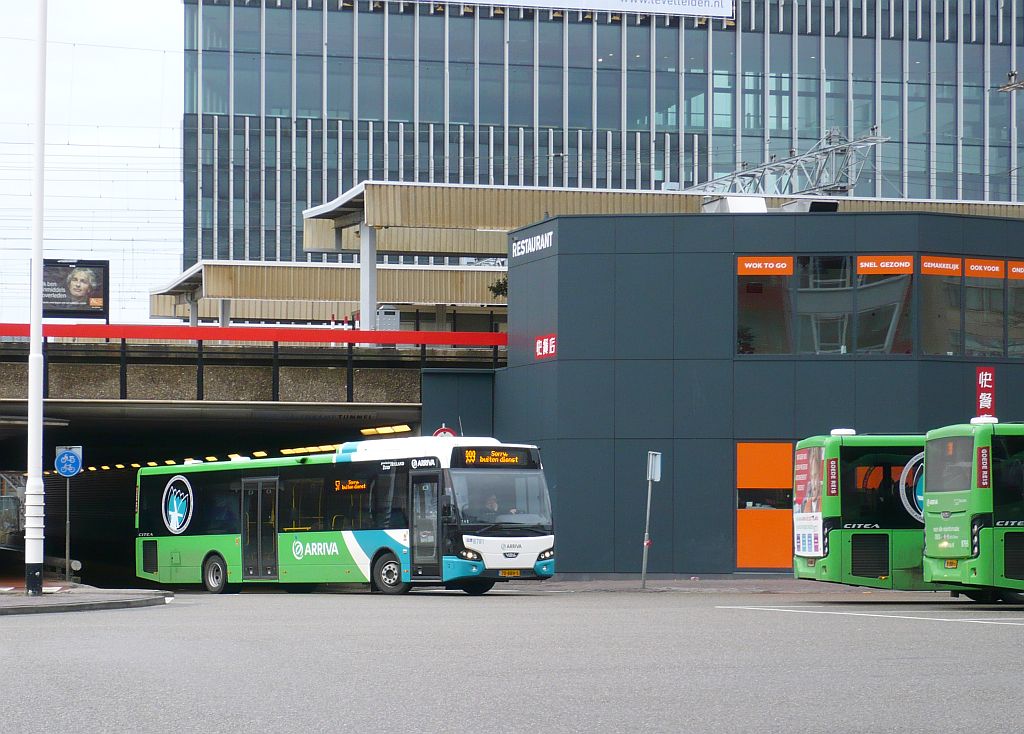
1012	597
476	587
215	575
387	575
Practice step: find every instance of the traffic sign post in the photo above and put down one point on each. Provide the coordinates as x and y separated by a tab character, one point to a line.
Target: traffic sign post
68	463
653	475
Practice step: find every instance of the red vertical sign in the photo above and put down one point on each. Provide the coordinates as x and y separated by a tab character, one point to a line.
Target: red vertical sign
984	472
985	390
833	477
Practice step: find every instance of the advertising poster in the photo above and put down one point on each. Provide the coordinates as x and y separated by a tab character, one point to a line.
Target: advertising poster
807	485
76	288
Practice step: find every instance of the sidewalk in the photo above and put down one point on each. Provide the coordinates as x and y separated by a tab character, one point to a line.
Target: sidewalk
61	596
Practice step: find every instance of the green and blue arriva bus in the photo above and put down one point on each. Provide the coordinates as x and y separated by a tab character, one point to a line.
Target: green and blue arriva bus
463	513
858	510
974	507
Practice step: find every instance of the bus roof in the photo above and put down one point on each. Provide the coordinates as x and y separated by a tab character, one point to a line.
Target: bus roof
864	439
369	450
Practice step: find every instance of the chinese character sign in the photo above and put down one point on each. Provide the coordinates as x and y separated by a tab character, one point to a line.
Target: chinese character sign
545	347
985	390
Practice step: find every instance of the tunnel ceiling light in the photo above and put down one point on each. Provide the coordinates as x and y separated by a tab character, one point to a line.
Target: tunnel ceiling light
136	466
104	467
211	458
150	463
92	468
119	466
169	462
259	454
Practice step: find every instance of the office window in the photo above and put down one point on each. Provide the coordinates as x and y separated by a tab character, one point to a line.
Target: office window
824	303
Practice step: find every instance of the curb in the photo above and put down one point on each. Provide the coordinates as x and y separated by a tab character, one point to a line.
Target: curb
88	606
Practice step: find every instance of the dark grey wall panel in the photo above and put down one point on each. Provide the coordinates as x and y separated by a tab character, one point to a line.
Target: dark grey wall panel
587	235
526	403
824	396
980	234
631	506
945	393
816	233
705	510
880	232
703	233
585	401
644	234
941	234
886	392
586	506
643	298
763	234
763	394
586	307
643	398
702	397
702	331
458	398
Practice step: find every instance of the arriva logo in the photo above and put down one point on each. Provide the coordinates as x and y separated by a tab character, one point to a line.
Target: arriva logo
300	550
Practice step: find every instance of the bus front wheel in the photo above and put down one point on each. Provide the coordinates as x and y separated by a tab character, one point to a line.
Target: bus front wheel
988	596
387	575
215	575
1012	597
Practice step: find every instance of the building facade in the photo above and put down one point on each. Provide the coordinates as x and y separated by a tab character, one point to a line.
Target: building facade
290	102
807	322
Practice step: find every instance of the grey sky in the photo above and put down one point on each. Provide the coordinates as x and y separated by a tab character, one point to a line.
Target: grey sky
113	157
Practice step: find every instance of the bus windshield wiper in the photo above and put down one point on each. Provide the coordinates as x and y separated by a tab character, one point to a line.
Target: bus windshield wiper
511	525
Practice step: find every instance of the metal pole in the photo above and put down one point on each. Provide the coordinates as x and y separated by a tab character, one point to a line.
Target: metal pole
34	520
647	537
67	529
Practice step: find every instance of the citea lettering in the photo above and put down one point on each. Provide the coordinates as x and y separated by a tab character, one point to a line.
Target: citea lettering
861	525
1010	523
532	244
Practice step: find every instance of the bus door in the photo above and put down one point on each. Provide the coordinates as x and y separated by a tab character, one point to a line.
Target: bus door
425	533
259	528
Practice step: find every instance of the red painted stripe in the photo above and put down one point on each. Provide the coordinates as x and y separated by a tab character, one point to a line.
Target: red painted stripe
260	334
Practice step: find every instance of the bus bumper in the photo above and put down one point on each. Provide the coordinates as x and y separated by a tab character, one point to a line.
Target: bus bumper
456	569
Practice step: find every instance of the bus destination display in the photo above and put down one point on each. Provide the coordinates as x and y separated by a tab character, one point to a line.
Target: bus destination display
485	457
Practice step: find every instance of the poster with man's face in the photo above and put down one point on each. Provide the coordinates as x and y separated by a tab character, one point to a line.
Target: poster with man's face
76	288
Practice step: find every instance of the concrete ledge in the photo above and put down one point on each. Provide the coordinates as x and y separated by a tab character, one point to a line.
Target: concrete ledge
81	600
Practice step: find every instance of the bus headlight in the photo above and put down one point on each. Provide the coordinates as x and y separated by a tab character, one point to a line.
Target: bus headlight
545	555
469	555
977	523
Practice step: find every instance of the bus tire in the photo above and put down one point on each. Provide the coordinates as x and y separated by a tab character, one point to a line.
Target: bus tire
387	575
215	574
987	596
1012	597
476	587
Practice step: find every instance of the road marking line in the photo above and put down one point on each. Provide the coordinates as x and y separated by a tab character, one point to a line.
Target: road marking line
1018	623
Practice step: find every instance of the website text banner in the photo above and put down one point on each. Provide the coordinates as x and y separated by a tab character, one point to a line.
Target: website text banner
706	8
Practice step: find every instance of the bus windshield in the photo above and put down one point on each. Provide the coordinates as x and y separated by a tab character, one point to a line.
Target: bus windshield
513	497
948	463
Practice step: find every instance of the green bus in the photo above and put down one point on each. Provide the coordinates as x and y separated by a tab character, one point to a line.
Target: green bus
974	508
463	513
857	510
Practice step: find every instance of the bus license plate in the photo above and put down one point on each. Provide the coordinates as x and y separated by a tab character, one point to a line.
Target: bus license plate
951	563
509	572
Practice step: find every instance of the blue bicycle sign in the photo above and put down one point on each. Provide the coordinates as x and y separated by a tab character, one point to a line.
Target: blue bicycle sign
69	460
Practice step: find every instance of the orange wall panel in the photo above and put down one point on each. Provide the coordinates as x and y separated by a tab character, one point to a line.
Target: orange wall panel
764	465
764	539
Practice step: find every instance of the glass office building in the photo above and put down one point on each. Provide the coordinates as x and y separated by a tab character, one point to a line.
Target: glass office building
290	102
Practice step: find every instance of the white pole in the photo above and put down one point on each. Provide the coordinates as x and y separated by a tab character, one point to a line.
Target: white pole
34	522
67	529
647	537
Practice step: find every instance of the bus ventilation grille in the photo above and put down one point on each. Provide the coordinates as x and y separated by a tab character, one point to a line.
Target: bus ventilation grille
149	562
869	554
1013	555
